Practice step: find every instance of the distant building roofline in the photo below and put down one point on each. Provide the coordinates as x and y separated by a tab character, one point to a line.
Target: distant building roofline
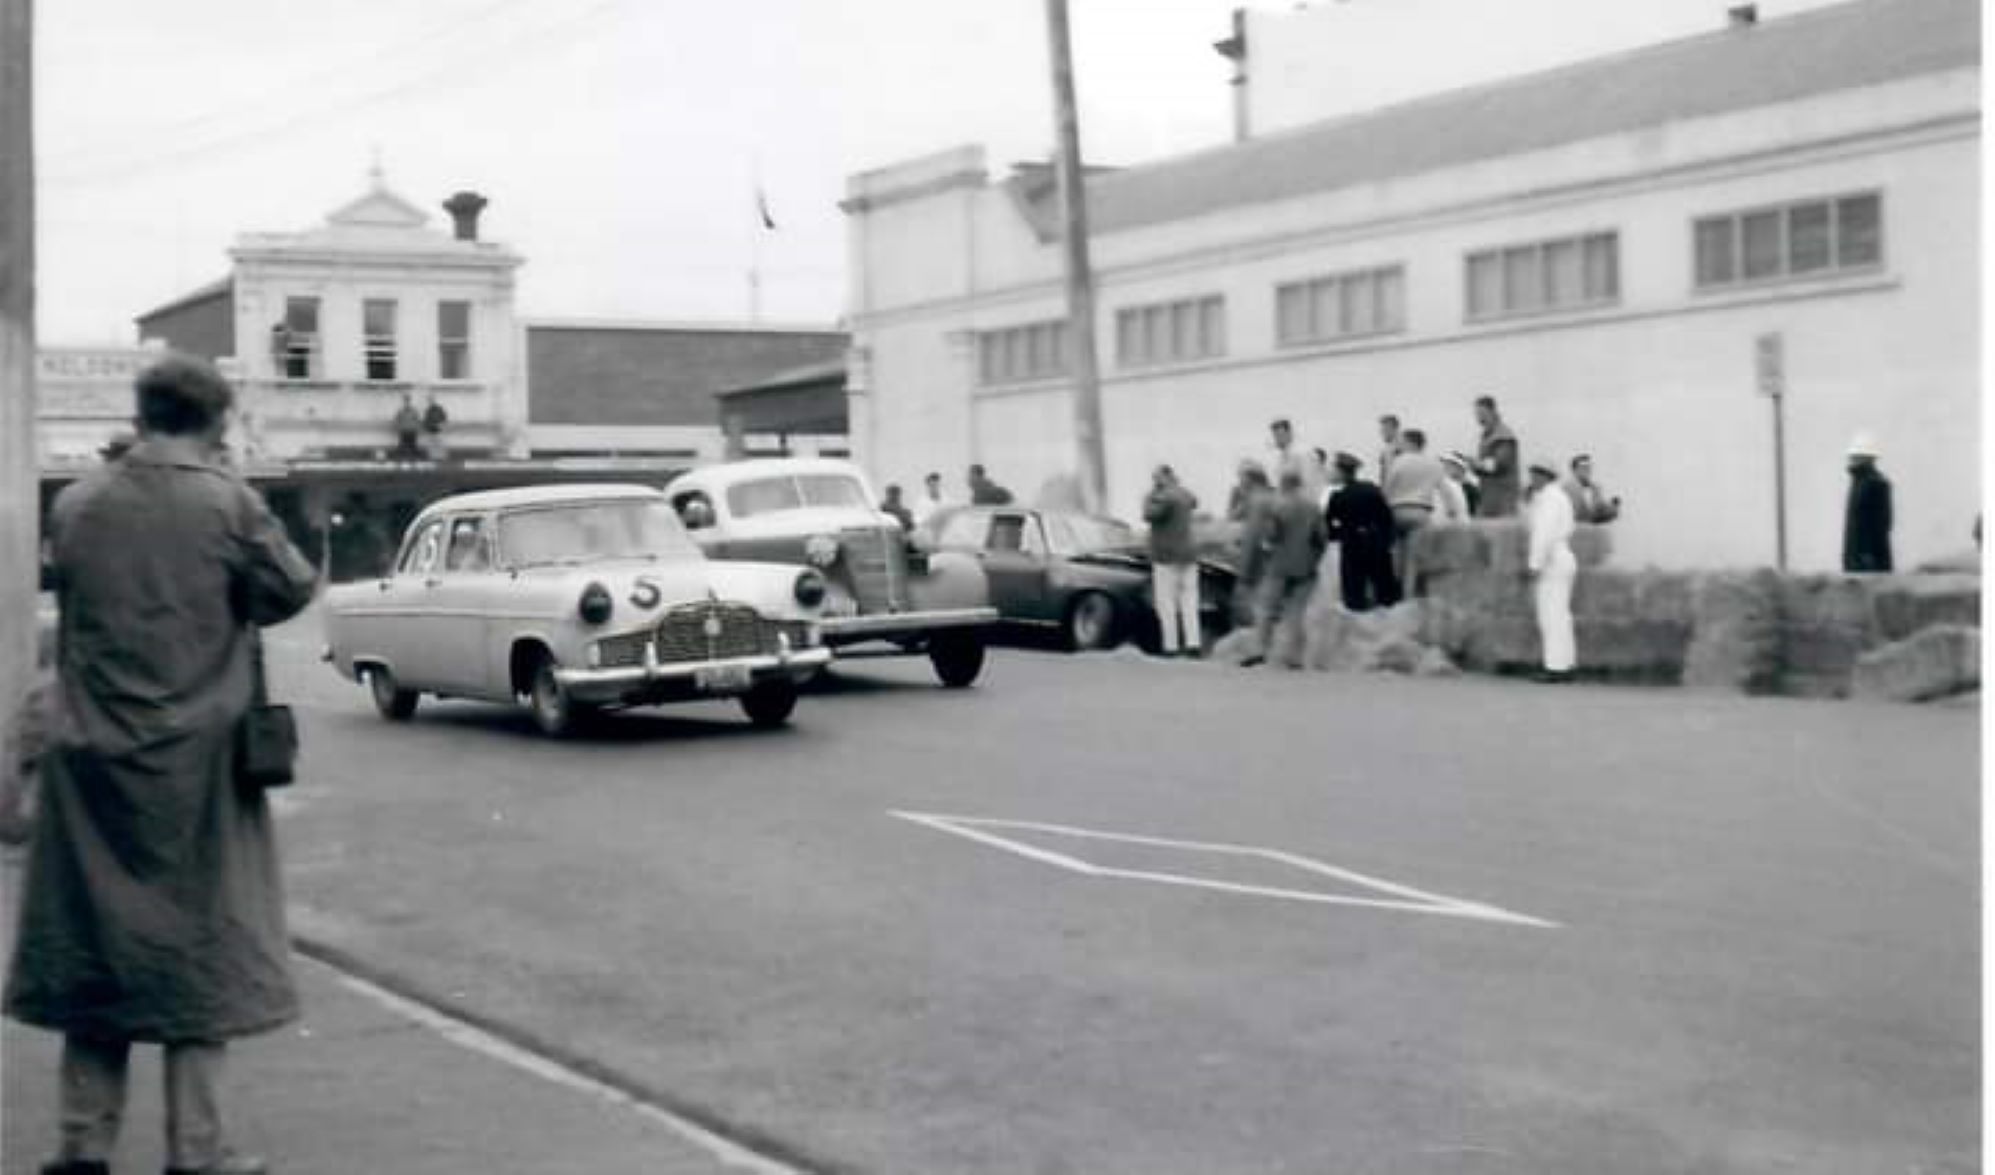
717	326
220	287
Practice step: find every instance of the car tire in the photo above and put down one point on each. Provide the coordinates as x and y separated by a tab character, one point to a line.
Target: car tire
556	713
769	704
1091	622
391	701
958	658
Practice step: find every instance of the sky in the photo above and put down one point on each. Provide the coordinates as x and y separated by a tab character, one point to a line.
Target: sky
621	142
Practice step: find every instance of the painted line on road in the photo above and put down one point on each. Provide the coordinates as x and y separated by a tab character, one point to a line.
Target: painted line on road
700	1128
1405	897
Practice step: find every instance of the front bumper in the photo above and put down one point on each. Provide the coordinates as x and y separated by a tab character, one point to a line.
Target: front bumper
846	630
718	678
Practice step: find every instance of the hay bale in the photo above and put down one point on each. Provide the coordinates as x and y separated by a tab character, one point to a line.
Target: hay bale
1667	596
1435	663
1933	663
1592	545
1735	639
1637	648
1905	604
1449	549
1237	647
1509	545
1605	595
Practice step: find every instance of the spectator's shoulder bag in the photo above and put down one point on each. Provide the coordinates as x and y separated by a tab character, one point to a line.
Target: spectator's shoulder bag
267	740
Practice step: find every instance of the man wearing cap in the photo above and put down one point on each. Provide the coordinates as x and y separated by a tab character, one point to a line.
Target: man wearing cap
1867	514
1496	462
151	908
1552	568
1460	469
1360	523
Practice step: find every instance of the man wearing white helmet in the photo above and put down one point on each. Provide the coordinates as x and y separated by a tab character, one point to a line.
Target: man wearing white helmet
1867	515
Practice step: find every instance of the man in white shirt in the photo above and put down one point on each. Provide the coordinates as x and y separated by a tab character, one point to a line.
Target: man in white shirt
1552	568
929	500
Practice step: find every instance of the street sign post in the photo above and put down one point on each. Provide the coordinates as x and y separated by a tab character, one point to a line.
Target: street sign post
1770	366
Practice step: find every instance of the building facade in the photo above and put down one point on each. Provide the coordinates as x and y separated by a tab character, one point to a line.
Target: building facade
1601	247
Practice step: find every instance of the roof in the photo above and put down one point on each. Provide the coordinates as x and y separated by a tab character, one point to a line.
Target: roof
732	472
659	376
1842	47
540	495
221	287
824	371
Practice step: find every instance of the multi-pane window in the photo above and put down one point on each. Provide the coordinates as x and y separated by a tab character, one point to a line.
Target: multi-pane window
377	332
1171	332
1017	353
1802	239
298	338
453	340
1340	306
1563	274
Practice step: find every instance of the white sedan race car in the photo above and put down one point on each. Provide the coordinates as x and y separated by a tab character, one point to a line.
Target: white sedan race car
574	599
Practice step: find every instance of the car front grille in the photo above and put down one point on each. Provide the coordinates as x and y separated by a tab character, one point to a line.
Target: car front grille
876	567
681	635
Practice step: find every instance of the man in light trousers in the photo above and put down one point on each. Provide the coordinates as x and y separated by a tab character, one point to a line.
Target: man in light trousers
1173	562
1552	570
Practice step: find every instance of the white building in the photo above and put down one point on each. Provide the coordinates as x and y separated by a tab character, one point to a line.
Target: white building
1599	246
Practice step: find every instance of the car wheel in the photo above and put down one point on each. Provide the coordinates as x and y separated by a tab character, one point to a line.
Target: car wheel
770	703
556	713
392	701
1091	622
958	658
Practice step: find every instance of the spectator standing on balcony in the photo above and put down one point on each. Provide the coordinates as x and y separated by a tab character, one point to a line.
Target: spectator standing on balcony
1590	503
408	428
1173	562
931	499
151	904
1292	541
434	418
984	491
1867	514
894	506
1389	438
1552	569
1496	462
1359	521
1410	488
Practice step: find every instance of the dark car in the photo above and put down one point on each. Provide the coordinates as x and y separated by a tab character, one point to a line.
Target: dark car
1077	577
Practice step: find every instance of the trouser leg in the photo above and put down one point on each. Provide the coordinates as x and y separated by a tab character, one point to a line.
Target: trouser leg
1295	602
1385	585
93	1097
1267	611
1554	605
1351	576
1164	593
193	1109
1189	613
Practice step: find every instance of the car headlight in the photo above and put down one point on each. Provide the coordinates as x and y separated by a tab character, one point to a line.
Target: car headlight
810	589
596	604
821	550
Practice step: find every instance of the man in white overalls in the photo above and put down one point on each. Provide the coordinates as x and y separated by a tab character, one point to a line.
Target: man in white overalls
1552	568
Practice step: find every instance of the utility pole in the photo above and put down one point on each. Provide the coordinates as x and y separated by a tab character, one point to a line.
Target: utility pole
1770	366
1080	274
20	512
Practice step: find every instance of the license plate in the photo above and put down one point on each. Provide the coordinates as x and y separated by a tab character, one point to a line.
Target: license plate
722	678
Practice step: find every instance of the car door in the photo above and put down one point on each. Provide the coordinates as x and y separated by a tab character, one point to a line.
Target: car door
394	624
460	599
1015	563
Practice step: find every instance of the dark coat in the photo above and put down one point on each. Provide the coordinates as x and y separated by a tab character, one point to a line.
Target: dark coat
1357	516
152	908
1496	467
1168	511
1290	538
1867	521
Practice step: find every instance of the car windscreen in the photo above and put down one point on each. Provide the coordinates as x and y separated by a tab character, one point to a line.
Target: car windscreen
577	532
1076	534
768	495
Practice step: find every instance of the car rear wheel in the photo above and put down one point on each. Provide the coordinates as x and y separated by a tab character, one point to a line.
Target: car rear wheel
392	701
958	658
770	703
556	713
1091	622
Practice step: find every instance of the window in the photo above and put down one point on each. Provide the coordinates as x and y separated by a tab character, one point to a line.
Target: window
1563	274
453	340
1015	354
964	531
1340	306
1016	534
771	494
1802	239
424	550
377	329
1171	332
469	549
298	339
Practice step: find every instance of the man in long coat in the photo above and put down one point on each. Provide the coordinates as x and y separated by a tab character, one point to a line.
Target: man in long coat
152	908
1359	521
1867	514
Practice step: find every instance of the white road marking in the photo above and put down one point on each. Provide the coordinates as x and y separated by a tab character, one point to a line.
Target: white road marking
725	1151
1405	897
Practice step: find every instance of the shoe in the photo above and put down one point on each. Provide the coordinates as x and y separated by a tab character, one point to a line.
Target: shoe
77	1167
229	1164
1250	662
1553	677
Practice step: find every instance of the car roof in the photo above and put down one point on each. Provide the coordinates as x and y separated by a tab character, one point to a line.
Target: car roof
540	495
729	473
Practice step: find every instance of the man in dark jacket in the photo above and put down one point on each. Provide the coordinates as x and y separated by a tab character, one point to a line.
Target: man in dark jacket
1867	515
1360	522
151	906
1289	547
984	491
1496	463
1173	562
